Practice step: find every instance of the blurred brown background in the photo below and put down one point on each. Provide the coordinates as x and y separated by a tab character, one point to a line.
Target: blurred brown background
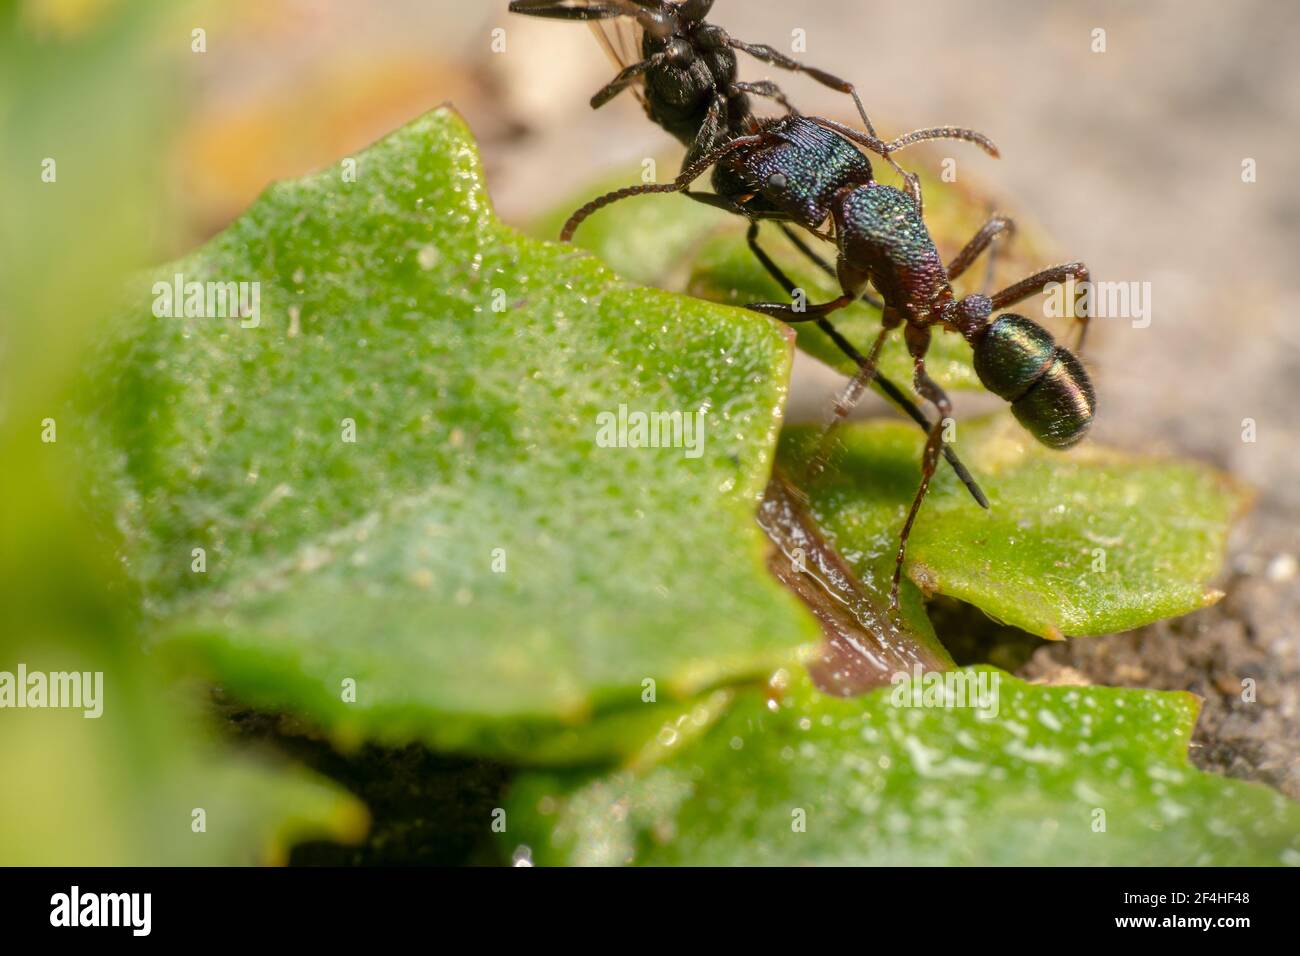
1131	159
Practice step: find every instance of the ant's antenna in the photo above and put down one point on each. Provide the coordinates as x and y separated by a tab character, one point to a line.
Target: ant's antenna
682	182
945	132
908	139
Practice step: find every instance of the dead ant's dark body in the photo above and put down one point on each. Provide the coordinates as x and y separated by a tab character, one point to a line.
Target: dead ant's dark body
684	71
808	171
687	69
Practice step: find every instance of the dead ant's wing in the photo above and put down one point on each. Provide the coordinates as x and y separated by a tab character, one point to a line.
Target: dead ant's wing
621	40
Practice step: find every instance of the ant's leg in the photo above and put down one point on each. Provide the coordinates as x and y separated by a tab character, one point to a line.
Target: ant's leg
930	390
896	395
765	53
845	404
768	89
996	226
1034	284
710	133
558	10
797	241
790	315
890	390
625	78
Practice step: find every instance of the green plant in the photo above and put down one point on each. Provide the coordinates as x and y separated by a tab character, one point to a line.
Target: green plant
410	534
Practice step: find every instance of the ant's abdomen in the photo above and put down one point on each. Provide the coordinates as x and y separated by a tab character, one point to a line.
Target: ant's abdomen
1049	390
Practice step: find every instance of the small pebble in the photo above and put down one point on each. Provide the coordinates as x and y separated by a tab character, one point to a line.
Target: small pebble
1281	568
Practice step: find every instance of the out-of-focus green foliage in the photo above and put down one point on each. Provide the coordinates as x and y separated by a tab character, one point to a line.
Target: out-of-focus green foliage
120	788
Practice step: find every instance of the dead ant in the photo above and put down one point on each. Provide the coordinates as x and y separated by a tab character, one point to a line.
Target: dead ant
682	68
684	72
808	170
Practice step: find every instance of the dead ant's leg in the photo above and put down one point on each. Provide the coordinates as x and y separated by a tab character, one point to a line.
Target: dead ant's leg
797	241
1034	284
766	54
768	89
625	79
761	51
918	342
991	230
711	131
557	10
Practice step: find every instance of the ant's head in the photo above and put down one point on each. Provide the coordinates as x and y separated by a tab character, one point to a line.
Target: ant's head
1019	361
798	171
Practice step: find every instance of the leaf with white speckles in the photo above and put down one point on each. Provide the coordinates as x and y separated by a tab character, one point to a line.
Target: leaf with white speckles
1087	542
487	574
1006	774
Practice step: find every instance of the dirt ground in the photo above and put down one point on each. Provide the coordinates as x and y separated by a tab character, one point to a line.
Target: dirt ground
1131	159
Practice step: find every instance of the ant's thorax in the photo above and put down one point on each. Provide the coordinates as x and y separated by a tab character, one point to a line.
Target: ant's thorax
880	233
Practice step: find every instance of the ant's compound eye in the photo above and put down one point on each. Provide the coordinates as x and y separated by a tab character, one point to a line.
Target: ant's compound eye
777	181
1059	408
1012	354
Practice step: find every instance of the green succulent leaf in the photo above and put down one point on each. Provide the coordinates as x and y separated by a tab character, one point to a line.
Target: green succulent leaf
983	770
1088	542
412	528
